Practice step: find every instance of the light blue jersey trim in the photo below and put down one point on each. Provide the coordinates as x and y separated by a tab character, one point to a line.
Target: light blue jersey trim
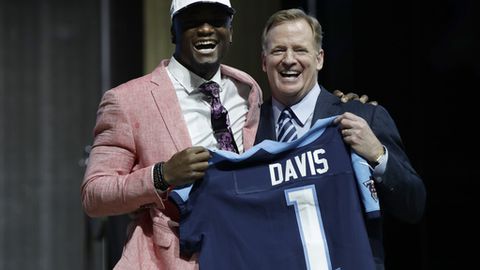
360	165
275	147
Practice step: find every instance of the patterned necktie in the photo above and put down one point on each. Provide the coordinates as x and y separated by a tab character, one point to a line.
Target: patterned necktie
219	115
286	129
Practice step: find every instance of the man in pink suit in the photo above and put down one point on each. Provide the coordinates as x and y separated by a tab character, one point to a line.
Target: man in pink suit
152	133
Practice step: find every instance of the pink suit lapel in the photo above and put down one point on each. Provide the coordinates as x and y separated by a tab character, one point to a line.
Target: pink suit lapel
169	108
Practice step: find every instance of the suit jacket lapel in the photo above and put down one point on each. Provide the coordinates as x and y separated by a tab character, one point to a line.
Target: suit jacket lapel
266	127
169	108
254	101
327	105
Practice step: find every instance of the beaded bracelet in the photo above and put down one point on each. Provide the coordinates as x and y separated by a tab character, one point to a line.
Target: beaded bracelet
158	179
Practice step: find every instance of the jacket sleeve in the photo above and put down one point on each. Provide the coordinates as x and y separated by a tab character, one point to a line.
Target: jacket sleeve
402	192
110	185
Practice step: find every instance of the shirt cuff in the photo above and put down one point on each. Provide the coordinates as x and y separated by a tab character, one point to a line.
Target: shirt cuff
379	170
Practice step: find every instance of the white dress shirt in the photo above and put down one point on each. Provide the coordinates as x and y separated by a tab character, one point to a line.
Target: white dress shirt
196	108
303	111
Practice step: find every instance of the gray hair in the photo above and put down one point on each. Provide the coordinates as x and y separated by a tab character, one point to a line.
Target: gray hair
293	14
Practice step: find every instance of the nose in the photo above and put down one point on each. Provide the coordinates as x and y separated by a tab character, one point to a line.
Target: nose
205	28
288	58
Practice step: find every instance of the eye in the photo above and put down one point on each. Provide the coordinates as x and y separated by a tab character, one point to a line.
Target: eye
277	51
197	22
220	21
301	51
189	24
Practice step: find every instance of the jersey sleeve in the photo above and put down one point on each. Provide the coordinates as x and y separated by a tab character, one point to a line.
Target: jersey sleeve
366	186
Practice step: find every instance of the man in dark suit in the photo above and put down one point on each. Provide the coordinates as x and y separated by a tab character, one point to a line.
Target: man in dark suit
292	56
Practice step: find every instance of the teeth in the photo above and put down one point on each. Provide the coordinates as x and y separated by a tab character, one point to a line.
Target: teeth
205	43
289	73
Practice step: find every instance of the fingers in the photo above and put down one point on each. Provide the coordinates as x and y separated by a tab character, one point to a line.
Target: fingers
186	166
196	149
353	96
363	99
201	156
338	93
349	96
196	154
199	166
346	119
347	132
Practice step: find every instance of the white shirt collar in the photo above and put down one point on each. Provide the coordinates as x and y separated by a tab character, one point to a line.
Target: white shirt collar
189	80
303	109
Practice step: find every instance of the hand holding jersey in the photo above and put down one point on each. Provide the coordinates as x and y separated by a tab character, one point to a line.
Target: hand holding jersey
304	194
358	134
186	166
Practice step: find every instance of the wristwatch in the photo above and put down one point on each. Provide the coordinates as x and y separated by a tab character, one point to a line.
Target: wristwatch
376	162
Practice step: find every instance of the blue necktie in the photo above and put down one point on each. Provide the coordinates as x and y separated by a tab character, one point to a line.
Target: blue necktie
286	129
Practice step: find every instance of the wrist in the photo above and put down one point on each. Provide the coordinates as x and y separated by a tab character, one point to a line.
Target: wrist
159	181
376	161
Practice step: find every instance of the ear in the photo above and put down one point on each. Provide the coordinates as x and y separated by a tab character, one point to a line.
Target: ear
231	34
264	62
172	34
320	59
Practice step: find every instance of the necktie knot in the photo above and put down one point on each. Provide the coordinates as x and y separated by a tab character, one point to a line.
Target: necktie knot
210	89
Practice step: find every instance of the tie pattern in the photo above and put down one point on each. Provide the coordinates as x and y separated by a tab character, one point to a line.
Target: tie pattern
219	117
286	129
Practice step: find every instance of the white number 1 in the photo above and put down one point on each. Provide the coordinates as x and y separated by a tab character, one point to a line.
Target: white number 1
310	226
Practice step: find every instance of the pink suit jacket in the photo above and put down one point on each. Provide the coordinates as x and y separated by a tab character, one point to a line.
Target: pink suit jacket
140	123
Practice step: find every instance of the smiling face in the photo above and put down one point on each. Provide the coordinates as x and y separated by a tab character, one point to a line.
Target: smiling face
202	35
291	60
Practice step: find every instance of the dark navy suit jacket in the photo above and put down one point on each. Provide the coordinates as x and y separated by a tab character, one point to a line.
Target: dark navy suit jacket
401	193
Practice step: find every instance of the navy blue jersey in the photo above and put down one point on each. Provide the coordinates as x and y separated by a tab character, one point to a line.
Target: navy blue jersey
280	206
